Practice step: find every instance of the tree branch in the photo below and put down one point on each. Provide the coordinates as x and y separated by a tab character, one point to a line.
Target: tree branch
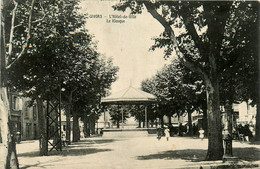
10	49
192	31
43	17
28	36
162	21
189	63
194	67
216	17
36	21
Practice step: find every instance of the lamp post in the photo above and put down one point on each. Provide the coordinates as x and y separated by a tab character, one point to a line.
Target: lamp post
227	134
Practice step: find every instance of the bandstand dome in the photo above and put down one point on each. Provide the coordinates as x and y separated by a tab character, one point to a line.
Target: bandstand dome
129	95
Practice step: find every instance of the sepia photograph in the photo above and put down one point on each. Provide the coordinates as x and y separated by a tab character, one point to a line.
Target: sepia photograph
129	84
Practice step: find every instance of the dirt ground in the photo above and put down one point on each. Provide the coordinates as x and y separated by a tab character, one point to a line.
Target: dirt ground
131	153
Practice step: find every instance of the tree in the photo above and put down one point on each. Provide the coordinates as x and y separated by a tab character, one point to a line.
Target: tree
137	111
178	91
118	113
239	80
41	38
42	62
62	55
8	151
91	86
201	46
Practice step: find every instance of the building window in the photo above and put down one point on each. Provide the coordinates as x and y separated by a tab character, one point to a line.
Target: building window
28	129
17	103
34	112
26	110
26	114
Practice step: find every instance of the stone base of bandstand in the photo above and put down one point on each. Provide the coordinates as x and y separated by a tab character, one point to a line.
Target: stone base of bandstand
128	133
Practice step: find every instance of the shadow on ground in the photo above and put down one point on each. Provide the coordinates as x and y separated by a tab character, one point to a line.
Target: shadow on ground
40	165
255	142
247	153
101	141
89	143
75	149
197	155
189	154
66	152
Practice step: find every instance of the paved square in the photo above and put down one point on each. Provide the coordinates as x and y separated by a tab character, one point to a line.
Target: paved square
129	153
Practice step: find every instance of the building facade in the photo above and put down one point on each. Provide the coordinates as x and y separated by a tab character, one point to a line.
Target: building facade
24	117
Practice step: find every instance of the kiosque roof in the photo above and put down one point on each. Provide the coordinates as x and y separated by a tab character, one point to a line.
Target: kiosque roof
128	96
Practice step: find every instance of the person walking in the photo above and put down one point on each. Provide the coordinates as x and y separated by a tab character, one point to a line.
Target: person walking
159	133
167	133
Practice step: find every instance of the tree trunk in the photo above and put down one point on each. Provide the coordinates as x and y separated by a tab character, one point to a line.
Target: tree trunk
139	123
170	120
43	141
93	124
8	147
12	160
85	125
257	118
257	125
68	114
117	123
190	133
76	132
68	128
57	136
205	121
215	144
162	122
9	158
228	111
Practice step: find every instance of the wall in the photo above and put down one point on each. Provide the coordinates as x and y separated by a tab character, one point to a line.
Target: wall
29	121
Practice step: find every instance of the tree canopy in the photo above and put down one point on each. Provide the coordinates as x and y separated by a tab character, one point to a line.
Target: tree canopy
206	36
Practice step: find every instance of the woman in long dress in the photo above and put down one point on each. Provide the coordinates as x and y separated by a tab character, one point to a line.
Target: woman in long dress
167	133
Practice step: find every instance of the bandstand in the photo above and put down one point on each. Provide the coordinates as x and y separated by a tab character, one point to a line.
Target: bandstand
129	96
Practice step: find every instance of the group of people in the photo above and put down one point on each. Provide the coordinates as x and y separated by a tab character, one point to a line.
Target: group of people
163	132
243	132
167	132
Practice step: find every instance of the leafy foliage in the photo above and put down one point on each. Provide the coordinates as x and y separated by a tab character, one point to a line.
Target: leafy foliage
177	90
117	111
61	55
206	42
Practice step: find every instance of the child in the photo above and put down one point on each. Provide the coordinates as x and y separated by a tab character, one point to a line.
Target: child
167	133
201	131
63	139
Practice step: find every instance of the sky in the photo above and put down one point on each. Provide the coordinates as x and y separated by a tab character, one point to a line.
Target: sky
128	42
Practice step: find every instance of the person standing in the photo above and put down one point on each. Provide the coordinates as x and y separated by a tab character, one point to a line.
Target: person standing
180	130
159	133
63	139
201	131
167	133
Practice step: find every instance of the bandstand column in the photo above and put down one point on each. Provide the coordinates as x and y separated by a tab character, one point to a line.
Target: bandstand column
146	116
122	119
105	120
